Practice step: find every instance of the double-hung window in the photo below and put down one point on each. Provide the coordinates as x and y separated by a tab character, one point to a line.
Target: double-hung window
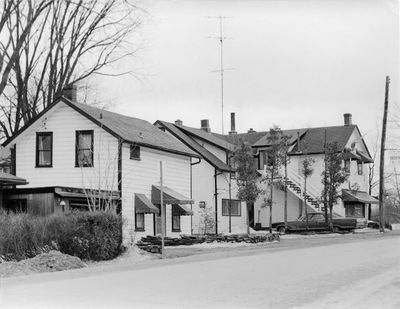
235	209
176	223
84	149
44	149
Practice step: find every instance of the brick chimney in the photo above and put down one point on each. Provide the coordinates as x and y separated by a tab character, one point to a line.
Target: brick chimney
205	125
178	122
347	120
232	131
70	92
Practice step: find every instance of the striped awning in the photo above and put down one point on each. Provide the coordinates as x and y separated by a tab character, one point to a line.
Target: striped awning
169	196
181	210
144	205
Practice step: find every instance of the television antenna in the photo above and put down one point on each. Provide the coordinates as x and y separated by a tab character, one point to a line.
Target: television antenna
221	38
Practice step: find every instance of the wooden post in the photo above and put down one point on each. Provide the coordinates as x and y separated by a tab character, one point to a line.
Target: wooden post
286	184
162	210
382	159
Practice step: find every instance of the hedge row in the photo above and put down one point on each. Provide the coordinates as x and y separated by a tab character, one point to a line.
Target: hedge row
87	235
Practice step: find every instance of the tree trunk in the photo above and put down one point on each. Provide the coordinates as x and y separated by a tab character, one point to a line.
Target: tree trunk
270	205
285	203
305	202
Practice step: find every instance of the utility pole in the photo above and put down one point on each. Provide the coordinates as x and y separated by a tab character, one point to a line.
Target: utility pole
221	38
162	210
382	159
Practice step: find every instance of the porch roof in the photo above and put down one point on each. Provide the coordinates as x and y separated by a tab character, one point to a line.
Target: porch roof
8	179
358	196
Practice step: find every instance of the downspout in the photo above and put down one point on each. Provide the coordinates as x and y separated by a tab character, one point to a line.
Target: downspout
216	198
119	176
191	190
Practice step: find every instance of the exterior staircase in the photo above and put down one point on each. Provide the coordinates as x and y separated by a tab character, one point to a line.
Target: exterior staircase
295	184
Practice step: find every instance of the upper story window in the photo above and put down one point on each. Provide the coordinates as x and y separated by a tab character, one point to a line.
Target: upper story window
84	148
135	152
360	168
44	149
347	165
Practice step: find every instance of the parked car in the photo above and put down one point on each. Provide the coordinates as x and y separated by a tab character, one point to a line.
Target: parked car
316	222
375	225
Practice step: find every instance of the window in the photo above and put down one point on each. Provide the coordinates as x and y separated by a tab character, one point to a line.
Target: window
84	149
347	166
356	210
176	223
235	208
360	168
135	152
139	222
44	149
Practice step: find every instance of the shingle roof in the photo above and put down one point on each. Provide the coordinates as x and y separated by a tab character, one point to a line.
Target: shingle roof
129	129
209	137
250	138
314	138
192	144
8	179
292	134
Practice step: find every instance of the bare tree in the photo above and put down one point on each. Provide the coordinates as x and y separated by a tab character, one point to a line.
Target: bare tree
55	43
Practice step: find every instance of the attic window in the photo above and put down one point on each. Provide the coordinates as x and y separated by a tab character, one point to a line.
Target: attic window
84	148
135	152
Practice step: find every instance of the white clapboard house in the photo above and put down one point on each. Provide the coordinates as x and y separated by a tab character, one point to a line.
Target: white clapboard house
309	142
76	156
214	185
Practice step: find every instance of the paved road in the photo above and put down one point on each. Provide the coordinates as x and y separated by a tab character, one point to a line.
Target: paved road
339	275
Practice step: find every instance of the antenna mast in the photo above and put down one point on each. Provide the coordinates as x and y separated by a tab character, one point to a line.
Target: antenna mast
221	39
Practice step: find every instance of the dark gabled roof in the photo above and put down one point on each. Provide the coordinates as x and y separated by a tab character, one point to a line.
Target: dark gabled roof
208	137
314	138
250	138
129	129
292	137
192	144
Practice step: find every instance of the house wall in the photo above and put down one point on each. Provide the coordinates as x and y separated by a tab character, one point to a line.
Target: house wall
261	213
63	121
139	175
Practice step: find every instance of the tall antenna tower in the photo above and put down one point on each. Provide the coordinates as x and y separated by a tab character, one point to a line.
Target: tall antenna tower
221	38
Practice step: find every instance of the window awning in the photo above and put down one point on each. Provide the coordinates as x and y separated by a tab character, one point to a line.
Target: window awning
143	205
180	210
9	179
169	196
358	196
364	157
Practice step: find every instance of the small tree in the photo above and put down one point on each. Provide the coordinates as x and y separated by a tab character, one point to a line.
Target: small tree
275	157
246	177
333	176
306	171
207	222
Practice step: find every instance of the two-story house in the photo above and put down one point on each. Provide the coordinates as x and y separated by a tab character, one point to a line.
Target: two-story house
309	142
214	188
76	156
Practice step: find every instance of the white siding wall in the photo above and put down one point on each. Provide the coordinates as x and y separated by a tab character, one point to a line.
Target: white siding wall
63	121
261	213
139	175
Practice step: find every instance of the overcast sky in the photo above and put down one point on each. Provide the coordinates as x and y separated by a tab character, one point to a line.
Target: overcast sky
295	63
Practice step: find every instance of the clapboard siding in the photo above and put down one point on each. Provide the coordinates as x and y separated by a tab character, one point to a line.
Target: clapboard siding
139	175
63	121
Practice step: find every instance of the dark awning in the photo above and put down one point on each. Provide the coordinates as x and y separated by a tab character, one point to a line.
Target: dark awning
364	157
143	205
358	196
86	193
169	196
8	179
180	210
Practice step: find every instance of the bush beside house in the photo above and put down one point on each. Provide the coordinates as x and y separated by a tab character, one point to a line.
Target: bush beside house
87	235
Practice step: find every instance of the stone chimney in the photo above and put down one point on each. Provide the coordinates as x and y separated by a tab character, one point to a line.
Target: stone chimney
205	125
347	120
232	131
70	92
178	122
251	131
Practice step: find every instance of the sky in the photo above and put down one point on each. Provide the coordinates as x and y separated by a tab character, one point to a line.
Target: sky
293	63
